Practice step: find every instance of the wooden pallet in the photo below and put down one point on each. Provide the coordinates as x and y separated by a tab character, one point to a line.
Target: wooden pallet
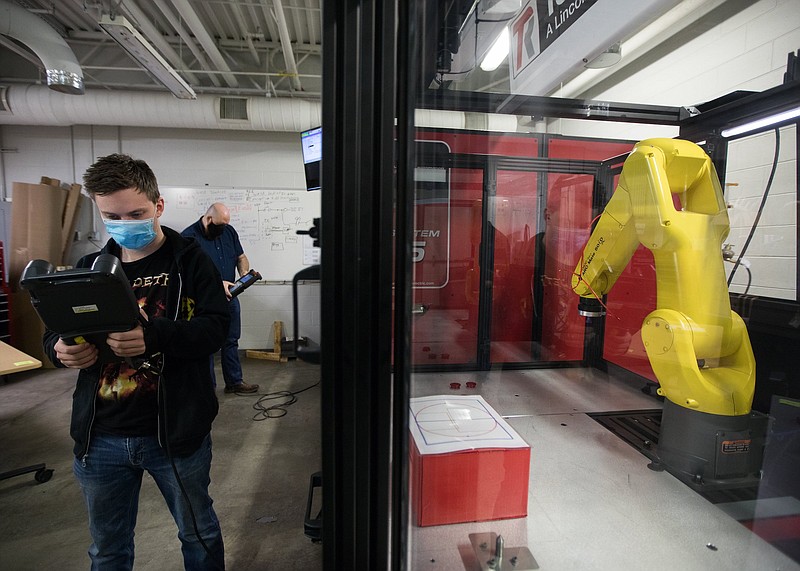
275	354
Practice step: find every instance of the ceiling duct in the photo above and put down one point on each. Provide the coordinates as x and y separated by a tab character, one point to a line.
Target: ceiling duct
64	74
36	105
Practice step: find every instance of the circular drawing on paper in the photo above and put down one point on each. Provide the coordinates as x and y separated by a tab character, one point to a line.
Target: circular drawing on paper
457	421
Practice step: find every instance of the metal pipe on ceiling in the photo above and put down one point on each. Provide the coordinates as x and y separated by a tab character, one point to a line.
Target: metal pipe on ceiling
248	36
188	40
286	44
190	17
157	39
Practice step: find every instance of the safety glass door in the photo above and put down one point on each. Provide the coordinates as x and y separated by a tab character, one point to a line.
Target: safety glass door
496	240
516	235
446	264
539	221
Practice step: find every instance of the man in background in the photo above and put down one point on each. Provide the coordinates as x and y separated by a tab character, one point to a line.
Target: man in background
216	236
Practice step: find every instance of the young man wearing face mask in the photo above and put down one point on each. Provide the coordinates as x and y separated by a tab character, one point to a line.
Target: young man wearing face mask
151	409
216	236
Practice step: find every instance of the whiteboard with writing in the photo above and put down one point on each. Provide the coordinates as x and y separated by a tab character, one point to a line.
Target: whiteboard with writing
267	221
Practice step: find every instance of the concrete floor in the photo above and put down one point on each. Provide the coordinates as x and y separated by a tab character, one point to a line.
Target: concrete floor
592	502
259	477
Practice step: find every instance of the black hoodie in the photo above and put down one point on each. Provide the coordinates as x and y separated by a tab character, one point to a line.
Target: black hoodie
194	327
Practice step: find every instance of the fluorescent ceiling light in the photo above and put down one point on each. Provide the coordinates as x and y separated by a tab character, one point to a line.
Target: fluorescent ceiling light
765	122
142	51
497	53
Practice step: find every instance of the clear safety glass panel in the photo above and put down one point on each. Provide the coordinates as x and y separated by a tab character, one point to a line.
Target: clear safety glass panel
514	214
446	266
761	194
524	453
568	219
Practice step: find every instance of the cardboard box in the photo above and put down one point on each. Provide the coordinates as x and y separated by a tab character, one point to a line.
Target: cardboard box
42	223
36	215
466	463
69	219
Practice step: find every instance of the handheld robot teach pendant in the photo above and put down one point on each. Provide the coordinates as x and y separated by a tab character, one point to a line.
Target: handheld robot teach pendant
83	304
244	282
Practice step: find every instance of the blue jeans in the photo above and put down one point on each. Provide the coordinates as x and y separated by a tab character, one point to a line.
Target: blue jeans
231	366
110	477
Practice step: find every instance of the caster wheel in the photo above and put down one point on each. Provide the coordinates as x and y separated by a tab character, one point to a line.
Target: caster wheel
43	475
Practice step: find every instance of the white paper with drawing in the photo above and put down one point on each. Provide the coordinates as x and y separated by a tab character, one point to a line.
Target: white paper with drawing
442	424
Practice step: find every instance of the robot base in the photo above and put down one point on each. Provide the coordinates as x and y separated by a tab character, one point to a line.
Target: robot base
710	451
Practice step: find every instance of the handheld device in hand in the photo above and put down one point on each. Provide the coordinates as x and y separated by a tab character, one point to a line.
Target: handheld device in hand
83	304
244	282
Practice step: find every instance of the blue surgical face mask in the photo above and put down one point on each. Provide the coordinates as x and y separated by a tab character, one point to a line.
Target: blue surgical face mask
131	234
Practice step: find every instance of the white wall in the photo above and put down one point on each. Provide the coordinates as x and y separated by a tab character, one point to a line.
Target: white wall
746	52
179	157
772	252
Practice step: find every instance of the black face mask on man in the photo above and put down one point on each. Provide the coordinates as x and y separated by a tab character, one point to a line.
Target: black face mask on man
214	230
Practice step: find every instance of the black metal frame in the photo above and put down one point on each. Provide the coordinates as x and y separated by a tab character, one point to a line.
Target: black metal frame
361	486
554	107
733	111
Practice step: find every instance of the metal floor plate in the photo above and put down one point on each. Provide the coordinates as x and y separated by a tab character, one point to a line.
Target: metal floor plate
516	558
639	428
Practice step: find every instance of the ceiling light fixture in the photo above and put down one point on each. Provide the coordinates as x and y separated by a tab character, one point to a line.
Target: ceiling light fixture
765	122
608	57
129	39
497	53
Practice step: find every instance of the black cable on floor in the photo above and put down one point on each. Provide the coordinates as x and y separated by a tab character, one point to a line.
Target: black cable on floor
279	409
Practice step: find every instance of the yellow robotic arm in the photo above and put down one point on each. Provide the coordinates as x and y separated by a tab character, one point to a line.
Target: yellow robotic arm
699	349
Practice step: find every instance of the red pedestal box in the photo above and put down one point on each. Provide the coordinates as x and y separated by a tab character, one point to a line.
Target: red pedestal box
467	464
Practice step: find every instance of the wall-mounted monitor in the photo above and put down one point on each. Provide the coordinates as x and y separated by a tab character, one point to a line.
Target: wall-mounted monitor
311	141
